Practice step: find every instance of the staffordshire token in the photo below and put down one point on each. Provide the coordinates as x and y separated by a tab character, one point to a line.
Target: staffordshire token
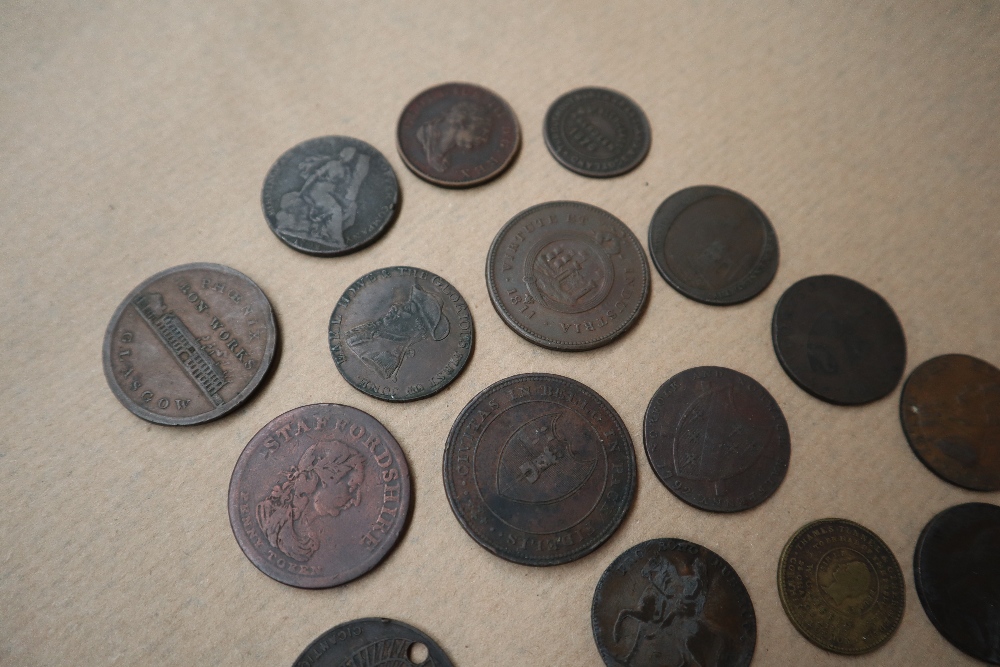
189	344
539	469
373	642
319	496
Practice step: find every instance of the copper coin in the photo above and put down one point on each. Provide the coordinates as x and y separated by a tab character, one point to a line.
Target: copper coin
717	439
950	409
373	642
189	344
567	276
539	469
457	135
319	496
673	602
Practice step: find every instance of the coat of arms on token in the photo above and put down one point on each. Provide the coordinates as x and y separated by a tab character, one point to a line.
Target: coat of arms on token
373	642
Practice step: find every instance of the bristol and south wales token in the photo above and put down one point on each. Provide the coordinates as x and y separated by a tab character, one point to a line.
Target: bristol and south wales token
189	344
717	439
840	586
838	340
713	245
373	642
401	333
319	496
539	469
330	196
673	602
457	135
567	276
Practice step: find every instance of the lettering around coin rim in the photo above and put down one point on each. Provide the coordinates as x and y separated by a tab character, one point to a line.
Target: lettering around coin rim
371	641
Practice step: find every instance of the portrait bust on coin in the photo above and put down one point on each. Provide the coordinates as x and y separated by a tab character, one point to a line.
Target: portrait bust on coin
465	125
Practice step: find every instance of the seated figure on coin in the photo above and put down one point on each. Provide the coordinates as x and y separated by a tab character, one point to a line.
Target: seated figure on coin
465	125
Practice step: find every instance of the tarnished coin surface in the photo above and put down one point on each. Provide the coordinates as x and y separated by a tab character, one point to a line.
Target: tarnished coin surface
567	276
189	344
717	439
373	642
840	586
330	196
838	340
673	602
319	496
539	469
401	333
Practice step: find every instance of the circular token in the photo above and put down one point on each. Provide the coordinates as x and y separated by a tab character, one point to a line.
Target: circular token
319	496
713	245
567	276
840	586
838	340
597	132
539	469
189	344
457	135
949	408
673	602
401	333
717	439
330	196
375	642
957	574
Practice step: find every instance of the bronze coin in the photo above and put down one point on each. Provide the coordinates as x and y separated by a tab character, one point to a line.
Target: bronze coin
401	333
373	642
457	135
717	439
950	410
189	344
539	469
840	586
673	602
319	496
567	276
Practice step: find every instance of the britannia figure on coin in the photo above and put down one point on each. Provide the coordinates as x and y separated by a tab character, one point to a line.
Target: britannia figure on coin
465	125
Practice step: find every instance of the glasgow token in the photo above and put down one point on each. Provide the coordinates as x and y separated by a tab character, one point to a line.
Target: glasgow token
374	642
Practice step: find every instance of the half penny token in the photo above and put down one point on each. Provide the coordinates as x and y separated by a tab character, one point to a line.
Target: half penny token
373	642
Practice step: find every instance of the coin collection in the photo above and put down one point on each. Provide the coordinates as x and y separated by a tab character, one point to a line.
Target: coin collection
540	469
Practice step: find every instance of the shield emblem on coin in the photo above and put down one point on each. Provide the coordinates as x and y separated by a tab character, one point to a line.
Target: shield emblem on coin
538	466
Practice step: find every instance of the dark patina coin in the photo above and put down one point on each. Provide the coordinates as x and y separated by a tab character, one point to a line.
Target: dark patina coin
838	340
597	132
401	333
189	344
956	569
457	135
319	496
373	642
567	276
717	439
673	602
330	196
840	586
539	469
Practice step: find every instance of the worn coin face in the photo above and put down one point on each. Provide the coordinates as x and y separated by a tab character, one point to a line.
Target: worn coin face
373	642
319	496
838	340
189	344
841	587
330	196
567	276
539	469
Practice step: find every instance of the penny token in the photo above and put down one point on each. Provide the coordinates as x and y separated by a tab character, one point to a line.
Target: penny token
713	245
319	496
378	642
673	602
838	340
539	469
840	586
330	196
567	276
457	135
717	439
189	344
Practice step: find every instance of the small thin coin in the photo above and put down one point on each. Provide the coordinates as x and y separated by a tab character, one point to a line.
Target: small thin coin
401	333
717	439
189	344
567	276
838	340
374	642
539	469
840	586
330	196
319	496
673	602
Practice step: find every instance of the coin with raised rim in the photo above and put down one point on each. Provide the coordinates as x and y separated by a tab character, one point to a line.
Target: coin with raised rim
374	642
